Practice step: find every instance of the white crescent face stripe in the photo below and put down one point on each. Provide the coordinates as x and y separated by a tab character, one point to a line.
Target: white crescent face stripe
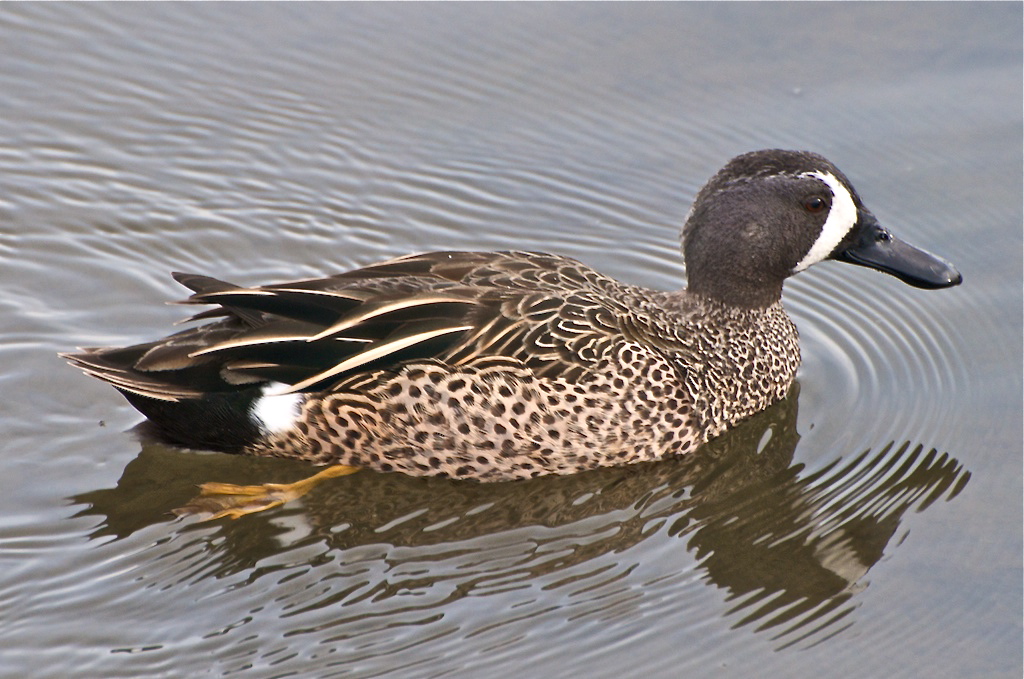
841	218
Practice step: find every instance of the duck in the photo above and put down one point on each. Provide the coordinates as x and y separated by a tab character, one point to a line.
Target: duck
507	365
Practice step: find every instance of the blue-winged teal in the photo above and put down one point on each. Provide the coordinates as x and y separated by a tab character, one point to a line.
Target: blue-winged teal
503	365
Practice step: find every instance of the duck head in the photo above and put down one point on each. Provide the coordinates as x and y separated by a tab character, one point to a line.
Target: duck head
770	214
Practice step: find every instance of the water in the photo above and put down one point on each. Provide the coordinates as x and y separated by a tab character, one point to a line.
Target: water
868	526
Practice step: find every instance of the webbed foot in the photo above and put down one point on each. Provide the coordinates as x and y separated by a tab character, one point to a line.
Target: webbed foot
228	500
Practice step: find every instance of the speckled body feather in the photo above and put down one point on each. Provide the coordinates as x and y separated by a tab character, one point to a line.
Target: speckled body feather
577	371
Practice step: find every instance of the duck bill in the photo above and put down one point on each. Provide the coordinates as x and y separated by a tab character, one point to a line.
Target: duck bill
874	247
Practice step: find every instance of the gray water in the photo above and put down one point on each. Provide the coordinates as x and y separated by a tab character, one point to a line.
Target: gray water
868	526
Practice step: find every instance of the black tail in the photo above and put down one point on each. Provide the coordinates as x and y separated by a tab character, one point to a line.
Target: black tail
217	421
215	416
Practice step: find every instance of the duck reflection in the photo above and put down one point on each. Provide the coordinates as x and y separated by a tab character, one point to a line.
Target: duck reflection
790	548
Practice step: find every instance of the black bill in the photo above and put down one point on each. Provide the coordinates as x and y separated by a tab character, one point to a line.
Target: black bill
874	247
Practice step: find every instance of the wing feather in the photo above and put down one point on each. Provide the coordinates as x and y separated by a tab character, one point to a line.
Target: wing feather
374	352
549	313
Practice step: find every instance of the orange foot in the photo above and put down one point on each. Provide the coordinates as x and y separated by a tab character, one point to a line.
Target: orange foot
227	499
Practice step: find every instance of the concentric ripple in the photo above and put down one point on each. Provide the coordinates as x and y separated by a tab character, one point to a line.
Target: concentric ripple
881	361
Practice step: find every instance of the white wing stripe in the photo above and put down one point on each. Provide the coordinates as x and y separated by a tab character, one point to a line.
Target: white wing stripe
370	354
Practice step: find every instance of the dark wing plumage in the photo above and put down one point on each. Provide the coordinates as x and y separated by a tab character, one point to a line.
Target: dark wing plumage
551	313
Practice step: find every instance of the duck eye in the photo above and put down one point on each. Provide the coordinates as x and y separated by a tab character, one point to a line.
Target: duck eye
815	204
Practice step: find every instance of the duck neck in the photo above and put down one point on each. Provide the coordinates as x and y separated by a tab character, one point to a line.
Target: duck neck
729	293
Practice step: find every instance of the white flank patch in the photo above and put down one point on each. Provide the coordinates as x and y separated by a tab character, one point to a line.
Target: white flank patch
841	218
275	413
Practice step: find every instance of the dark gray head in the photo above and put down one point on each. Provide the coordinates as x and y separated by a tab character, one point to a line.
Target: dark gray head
770	214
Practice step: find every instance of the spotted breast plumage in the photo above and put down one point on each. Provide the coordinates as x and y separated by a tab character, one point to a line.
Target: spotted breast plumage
505	365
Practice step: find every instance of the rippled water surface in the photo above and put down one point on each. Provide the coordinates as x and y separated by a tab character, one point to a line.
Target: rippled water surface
869	525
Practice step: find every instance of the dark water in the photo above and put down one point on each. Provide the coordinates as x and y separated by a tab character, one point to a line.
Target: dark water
868	526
